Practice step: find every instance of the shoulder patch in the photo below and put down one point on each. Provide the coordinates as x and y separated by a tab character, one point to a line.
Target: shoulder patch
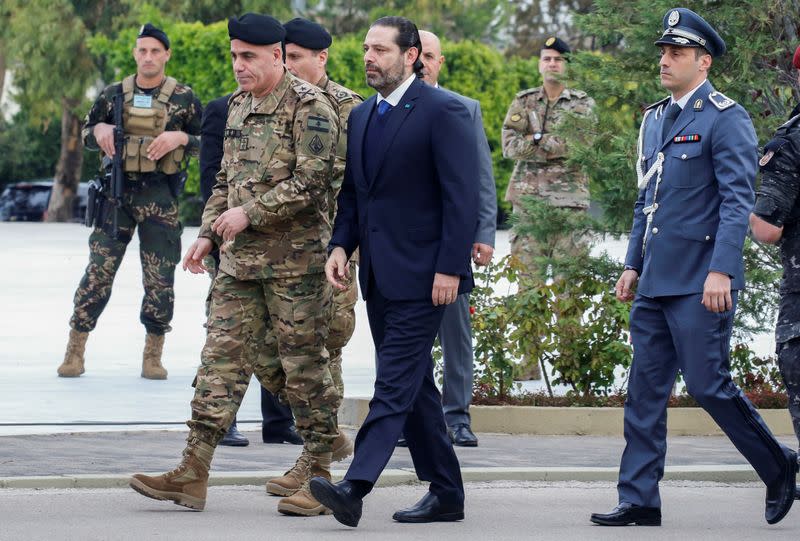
525	92
305	91
656	104
720	100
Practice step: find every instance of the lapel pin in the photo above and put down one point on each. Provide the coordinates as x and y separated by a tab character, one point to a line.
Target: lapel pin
408	106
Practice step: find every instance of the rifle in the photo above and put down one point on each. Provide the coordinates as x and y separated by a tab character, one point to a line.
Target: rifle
108	188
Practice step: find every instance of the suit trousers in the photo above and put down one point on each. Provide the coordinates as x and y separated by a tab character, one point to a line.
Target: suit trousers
406	399
275	417
455	336
677	333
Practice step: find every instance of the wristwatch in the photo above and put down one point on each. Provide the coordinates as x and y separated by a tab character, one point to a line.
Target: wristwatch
537	137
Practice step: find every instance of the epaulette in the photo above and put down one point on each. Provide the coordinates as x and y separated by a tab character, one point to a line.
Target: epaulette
720	100
580	94
235	97
794	121
527	91
305	91
340	93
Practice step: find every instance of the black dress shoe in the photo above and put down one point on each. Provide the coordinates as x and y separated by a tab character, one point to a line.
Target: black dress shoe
401	442
462	436
627	513
288	435
341	498
430	509
234	438
781	493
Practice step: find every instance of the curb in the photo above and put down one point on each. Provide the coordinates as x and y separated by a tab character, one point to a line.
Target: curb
394	477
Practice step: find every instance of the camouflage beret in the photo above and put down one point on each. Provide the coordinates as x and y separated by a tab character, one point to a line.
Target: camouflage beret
256	29
149	31
307	34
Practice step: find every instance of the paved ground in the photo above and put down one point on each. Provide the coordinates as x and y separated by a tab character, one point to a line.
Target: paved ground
126	452
494	511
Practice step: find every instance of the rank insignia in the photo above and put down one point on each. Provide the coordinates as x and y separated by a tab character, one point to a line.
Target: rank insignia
720	101
766	158
686	138
243	143
515	117
315	145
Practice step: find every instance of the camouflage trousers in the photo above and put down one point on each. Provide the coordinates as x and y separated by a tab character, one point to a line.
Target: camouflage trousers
153	212
342	325
531	254
274	329
787	336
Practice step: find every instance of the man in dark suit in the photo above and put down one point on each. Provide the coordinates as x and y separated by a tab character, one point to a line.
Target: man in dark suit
455	334
696	170
409	202
278	423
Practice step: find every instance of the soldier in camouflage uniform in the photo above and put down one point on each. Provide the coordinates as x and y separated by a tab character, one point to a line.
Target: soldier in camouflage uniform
776	220
540	170
161	121
306	56
270	304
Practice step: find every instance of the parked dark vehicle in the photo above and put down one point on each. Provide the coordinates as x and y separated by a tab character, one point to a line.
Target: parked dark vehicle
27	201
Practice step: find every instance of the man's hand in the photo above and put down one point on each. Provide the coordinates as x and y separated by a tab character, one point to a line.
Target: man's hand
166	142
445	288
230	223
626	284
104	134
336	268
482	253
193	260
717	292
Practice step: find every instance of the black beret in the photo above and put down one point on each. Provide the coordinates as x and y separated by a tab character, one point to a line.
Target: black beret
149	31
557	44
307	34
685	28
256	29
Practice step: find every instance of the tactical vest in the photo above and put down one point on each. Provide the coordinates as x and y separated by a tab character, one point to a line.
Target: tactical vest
142	125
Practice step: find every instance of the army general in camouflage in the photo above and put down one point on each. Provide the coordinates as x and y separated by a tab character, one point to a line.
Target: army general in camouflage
540	170
161	121
270	305
776	220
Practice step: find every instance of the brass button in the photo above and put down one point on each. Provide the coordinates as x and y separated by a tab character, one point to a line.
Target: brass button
655	230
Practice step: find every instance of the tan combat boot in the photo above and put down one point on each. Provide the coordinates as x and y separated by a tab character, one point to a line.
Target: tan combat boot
292	480
186	485
151	359
342	447
302	503
72	367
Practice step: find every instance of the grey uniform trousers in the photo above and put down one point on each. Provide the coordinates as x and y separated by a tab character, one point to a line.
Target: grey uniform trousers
455	336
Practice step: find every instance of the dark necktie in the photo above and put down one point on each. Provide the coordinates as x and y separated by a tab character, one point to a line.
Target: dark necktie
384	107
669	119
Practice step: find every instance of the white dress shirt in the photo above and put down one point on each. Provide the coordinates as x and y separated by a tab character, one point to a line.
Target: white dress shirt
397	94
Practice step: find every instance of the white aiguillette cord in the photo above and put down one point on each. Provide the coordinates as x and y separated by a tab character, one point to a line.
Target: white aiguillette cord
643	178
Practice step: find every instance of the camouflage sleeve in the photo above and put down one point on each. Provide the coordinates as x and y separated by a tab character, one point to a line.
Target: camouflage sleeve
101	111
516	136
216	205
315	132
192	127
780	181
554	145
341	147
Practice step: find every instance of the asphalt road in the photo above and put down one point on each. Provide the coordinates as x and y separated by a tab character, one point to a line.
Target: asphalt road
494	511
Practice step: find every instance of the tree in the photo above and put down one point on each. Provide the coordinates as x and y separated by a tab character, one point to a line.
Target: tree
533	21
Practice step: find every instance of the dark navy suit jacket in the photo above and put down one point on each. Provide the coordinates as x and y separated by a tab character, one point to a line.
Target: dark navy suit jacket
704	199
418	215
212	133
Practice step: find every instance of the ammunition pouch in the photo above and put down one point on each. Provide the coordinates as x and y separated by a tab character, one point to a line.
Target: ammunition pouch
136	160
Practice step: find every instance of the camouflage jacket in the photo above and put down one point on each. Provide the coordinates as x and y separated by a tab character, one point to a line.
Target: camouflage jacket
278	155
344	100
540	168
184	111
778	197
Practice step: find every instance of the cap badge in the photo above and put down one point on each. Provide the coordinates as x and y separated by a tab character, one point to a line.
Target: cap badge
550	41
682	41
141	30
674	17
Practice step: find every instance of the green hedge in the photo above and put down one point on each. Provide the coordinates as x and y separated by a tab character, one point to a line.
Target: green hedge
200	58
